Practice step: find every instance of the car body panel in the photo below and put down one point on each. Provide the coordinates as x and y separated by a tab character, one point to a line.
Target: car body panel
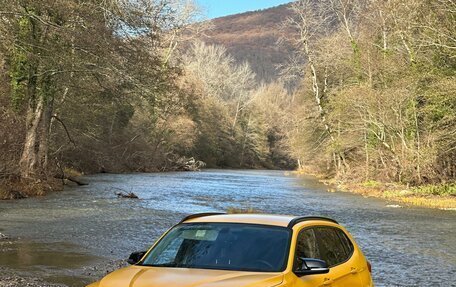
137	276
354	272
263	219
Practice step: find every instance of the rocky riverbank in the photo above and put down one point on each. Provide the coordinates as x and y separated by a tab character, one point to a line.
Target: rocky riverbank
9	278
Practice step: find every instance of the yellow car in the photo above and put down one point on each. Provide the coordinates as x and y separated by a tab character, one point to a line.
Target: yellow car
248	250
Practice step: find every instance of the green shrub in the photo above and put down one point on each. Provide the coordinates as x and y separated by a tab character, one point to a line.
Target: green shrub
445	189
372	183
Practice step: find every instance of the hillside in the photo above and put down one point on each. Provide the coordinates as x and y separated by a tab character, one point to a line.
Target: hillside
253	37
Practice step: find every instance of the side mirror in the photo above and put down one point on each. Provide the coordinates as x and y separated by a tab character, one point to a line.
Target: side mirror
136	257
309	266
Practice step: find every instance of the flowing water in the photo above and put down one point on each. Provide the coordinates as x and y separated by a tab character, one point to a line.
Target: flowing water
63	234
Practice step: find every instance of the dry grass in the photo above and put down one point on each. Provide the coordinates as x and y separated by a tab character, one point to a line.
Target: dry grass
441	196
308	170
71	172
22	188
400	193
432	201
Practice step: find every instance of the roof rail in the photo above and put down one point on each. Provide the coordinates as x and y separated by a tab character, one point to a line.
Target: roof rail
297	220
197	215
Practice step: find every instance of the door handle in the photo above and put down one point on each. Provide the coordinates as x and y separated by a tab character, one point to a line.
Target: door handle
328	282
354	271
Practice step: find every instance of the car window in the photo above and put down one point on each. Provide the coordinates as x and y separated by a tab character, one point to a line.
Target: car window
307	245
346	243
223	246
170	253
324	243
331	247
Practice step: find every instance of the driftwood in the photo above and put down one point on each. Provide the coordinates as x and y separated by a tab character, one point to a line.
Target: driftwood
125	194
77	181
189	164
129	195
64	177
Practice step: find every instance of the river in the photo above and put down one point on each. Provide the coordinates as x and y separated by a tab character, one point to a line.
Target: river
61	236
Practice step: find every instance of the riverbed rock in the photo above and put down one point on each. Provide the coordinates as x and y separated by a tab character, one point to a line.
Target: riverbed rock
102	269
8	279
4	237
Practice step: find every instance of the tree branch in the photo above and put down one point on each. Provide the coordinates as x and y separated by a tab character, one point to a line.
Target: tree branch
65	128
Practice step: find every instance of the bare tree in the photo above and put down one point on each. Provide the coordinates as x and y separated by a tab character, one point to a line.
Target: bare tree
310	22
222	77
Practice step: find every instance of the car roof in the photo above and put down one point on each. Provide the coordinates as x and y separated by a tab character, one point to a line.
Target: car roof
264	219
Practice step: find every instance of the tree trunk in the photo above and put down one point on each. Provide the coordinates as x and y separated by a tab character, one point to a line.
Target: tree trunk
29	162
241	163
45	133
238	107
340	159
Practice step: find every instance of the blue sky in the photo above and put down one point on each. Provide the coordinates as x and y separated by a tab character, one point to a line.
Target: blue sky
218	8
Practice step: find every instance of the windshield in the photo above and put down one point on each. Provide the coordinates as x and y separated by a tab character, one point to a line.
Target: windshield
224	246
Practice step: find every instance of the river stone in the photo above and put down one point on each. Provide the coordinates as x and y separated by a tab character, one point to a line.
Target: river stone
8	279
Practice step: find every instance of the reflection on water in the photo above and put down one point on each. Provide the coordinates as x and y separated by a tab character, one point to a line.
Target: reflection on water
53	262
398	242
27	255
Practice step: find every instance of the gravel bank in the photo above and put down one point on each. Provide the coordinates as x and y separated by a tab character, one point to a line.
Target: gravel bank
7	279
11	278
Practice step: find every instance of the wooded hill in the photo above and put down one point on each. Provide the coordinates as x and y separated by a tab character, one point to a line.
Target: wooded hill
254	37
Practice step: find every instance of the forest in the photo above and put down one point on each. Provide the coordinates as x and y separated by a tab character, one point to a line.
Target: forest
368	93
377	98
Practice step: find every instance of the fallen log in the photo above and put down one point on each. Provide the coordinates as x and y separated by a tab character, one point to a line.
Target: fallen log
63	177
188	164
129	195
77	181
